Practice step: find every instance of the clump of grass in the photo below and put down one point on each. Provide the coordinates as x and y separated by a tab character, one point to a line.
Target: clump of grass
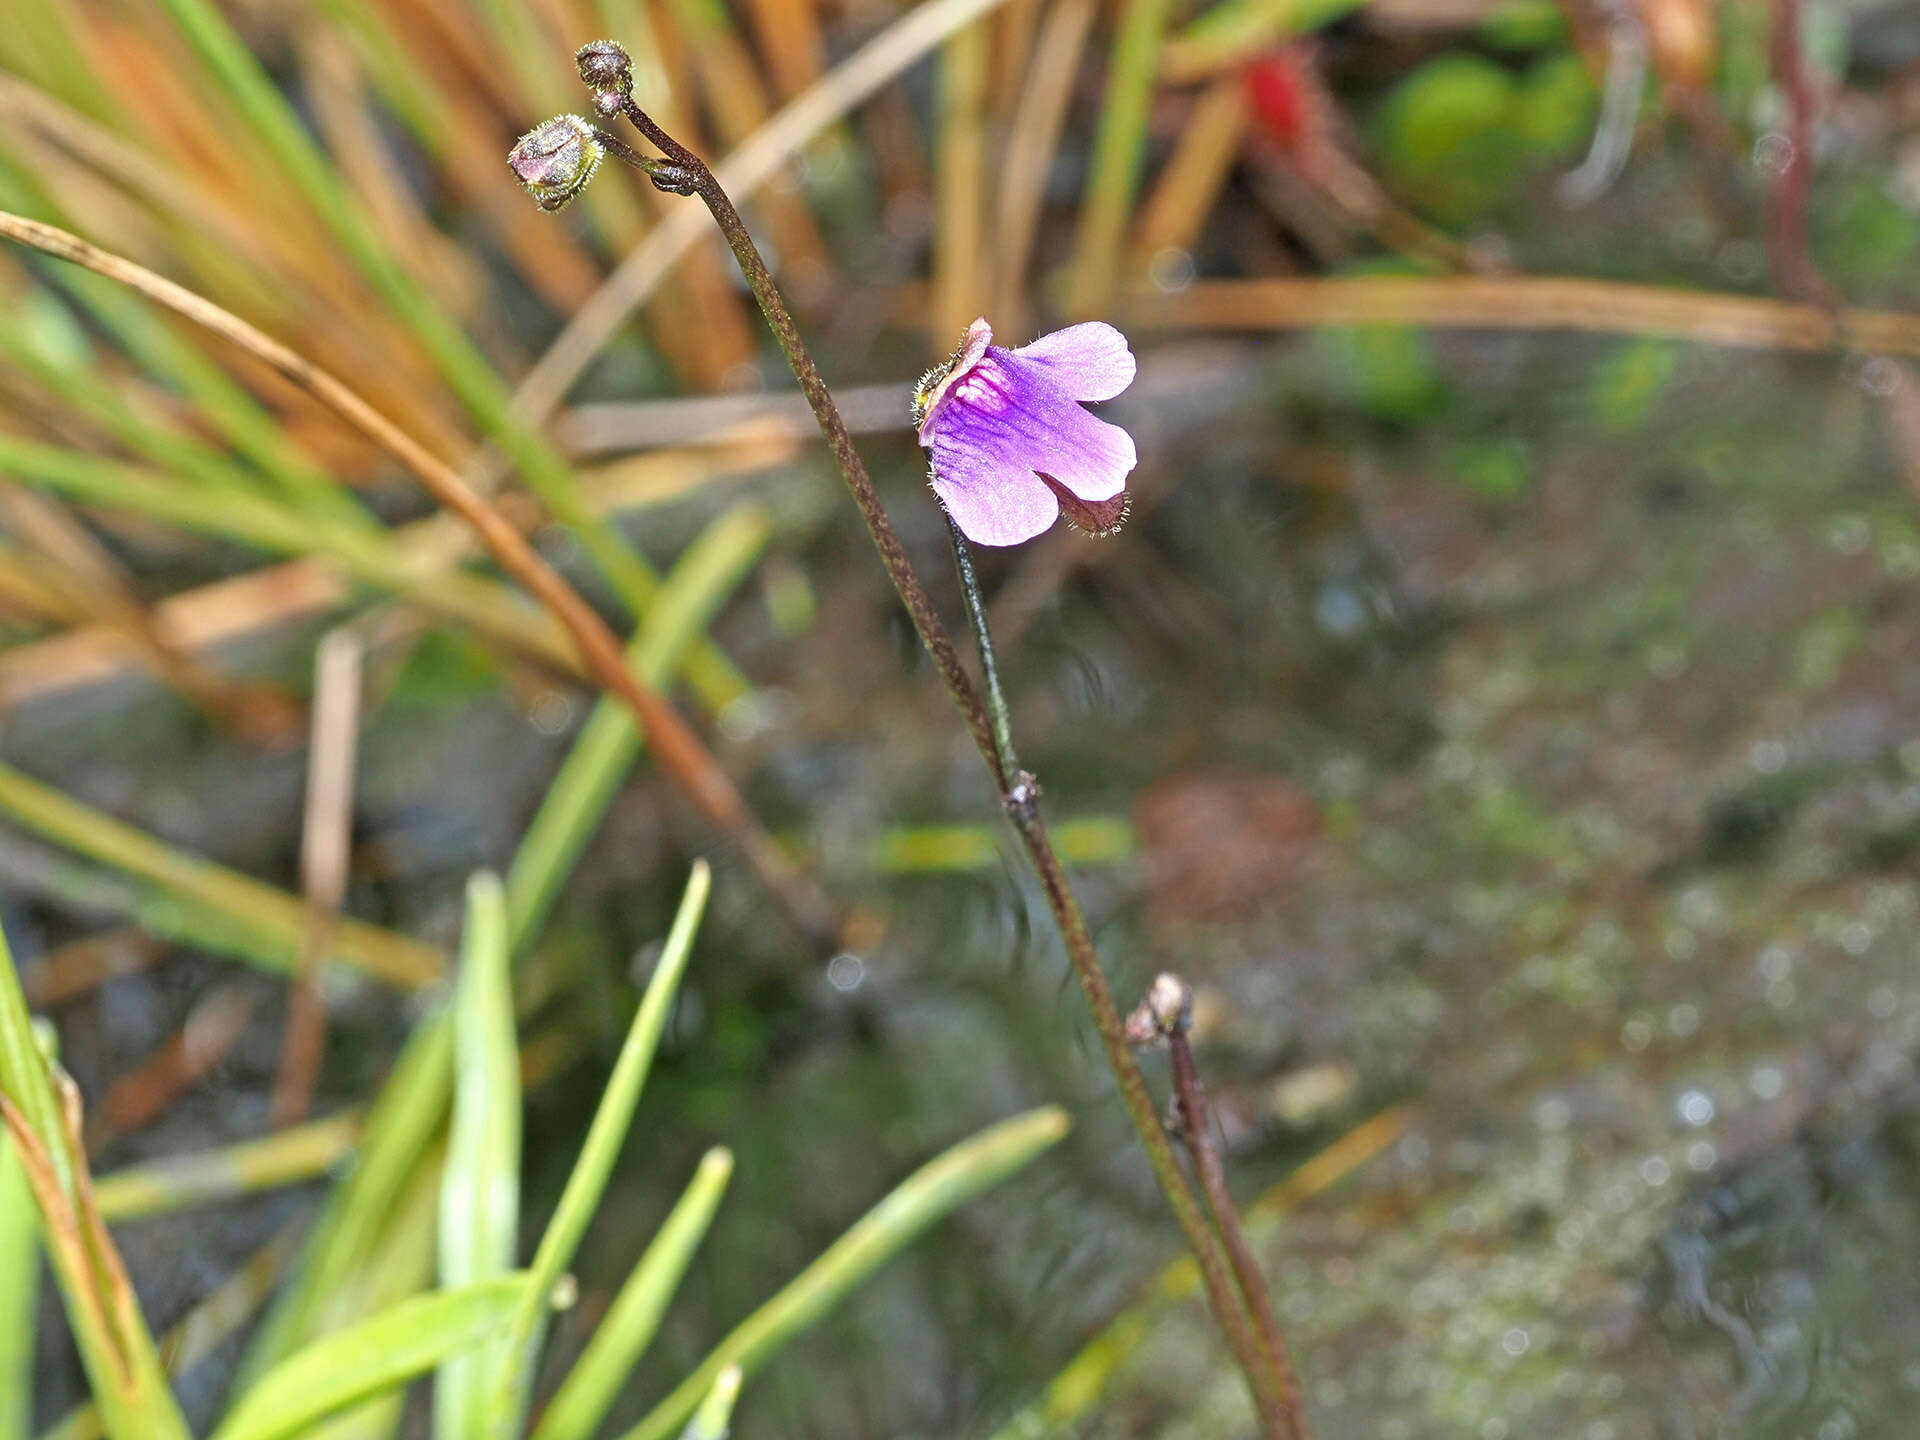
478	1332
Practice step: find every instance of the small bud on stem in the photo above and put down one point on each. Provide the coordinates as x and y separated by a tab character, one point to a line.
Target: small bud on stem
1165	1011
556	159
606	66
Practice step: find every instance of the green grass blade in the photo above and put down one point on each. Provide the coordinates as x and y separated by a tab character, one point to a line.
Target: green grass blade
399	1266
399	1131
1115	174
180	1182
371	556
480	1194
715	1414
373	1356
23	1071
608	744
273	916
935	1190
19	1296
604	1138
581	1402
232	410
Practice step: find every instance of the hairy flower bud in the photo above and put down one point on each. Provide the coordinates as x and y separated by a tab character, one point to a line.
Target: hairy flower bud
605	65
556	159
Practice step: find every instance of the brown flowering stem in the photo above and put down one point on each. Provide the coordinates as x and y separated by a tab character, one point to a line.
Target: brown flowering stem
1007	761
687	174
1167	1014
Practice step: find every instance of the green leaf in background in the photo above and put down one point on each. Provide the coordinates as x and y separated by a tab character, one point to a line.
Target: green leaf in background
604	1137
1496	469
935	1190
1235	31
387	1350
480	1192
581	1403
1388	372
1556	108
1445	137
1523	25
180	1182
1630	382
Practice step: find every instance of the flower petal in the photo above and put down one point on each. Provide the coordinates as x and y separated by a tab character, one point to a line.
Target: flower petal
1092	517
1083	452
1089	361
993	501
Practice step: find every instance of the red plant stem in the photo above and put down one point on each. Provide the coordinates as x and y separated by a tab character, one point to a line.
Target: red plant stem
1793	268
1205	1150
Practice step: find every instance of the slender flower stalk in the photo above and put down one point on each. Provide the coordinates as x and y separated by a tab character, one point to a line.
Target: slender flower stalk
1007	764
606	70
1166	1014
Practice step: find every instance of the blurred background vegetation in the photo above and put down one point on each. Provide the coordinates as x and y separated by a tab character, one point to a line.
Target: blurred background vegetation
1502	703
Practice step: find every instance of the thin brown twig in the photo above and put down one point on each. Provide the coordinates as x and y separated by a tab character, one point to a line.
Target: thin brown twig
678	749
326	839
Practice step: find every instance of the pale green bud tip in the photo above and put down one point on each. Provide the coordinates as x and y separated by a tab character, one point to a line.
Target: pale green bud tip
556	159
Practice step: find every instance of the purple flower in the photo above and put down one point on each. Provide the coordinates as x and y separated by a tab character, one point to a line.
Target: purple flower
1011	447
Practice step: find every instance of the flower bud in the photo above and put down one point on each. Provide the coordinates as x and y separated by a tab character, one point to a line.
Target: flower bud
556	159
1166	1009
605	65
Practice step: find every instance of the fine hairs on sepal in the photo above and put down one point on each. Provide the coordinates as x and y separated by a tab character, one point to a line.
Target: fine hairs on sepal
605	66
556	159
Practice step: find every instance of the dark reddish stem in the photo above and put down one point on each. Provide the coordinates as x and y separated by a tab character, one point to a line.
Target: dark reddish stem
1166	1014
1204	1148
1793	268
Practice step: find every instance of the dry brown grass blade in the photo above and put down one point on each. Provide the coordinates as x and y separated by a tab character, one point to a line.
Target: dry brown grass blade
333	85
959	215
246	605
326	843
82	966
1526	302
1023	174
1177	206
84	580
679	752
740	106
61	1225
